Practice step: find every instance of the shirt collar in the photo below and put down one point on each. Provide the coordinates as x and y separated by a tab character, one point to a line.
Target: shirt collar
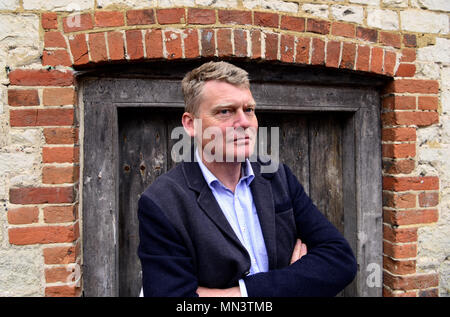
247	174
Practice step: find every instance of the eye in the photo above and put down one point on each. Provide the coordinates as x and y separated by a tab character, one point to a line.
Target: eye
224	111
250	109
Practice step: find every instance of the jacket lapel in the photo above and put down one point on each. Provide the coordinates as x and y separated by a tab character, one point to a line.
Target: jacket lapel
207	201
263	199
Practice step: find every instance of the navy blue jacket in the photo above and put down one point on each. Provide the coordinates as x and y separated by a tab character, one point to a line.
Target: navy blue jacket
186	241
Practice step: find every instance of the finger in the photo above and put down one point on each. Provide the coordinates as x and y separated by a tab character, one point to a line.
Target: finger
296	253
303	250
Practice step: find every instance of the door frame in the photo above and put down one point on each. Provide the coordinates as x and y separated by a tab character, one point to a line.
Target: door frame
275	88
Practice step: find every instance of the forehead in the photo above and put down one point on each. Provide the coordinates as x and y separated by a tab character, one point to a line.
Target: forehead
218	91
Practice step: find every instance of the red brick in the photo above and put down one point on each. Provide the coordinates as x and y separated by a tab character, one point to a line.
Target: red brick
399	103
399	266
400	251
365	34
23	97
410	282
406	70
60	154
395	200
256	43
116	46
398	134
398	166
56	58
41	195
376	62
390	293
61	135
58	96
428	199
409	40
363	59
348	55
43	234
408	55
41	77
154	44
135	48
173	45
390	39
191	47
302	51
108	18
410	217
54	39
421	86
428	103
240	43
97	47
399	235
318	26
235	17
61	255
224	45
292	23
79	49
343	29
266	19
208	43
60	175
201	16
41	117
171	16
63	291
80	22
140	17
411	183
333	54
271	40
418	118
390	59
49	20
59	214
287	48
59	274
318	52
23	215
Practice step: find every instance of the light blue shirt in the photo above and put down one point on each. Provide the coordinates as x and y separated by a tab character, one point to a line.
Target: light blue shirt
240	211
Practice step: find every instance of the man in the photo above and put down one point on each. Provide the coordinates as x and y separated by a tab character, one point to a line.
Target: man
221	226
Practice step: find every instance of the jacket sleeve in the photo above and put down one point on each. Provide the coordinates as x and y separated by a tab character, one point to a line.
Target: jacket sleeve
167	269
325	270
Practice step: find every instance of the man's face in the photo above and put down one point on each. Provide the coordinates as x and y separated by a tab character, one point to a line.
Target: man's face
227	116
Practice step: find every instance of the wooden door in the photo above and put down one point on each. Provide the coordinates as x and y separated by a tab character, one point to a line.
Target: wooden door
329	136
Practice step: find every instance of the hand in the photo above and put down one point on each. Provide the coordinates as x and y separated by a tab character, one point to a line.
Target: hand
299	251
217	292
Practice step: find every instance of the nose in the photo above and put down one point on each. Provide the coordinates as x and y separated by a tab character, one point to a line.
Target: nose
241	119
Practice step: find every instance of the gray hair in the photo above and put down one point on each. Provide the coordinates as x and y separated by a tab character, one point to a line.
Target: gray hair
193	82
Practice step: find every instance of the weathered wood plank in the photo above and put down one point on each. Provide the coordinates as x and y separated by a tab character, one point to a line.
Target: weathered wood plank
100	193
143	157
325	167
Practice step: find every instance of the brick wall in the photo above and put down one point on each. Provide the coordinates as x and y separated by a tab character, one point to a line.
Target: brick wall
39	95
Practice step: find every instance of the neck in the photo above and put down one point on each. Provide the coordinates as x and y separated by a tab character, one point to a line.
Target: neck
228	173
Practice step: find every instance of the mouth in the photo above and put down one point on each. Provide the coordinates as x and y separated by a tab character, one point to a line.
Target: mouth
245	139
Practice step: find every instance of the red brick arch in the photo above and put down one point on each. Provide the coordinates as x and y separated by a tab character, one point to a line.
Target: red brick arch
46	98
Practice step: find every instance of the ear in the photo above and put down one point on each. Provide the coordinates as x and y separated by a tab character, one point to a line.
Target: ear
188	123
